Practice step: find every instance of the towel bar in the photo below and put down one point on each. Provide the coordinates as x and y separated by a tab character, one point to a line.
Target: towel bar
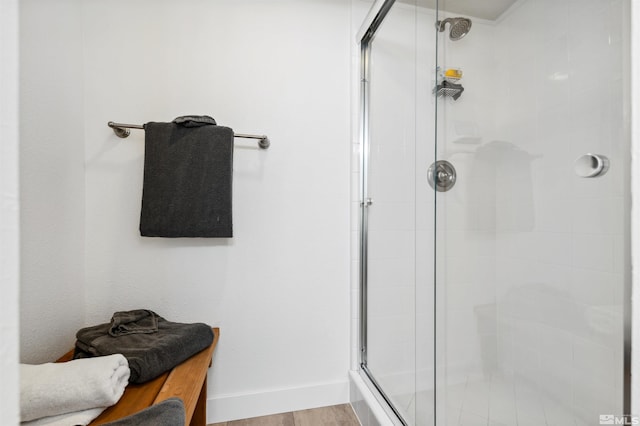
122	131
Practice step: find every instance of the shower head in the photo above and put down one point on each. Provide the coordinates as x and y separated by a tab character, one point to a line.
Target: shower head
459	27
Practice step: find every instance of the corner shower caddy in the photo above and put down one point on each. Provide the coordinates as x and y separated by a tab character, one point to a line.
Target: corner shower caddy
448	85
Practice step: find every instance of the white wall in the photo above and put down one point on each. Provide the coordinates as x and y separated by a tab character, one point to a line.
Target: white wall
9	214
635	188
52	178
279	289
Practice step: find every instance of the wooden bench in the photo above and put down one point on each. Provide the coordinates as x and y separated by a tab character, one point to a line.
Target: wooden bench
187	381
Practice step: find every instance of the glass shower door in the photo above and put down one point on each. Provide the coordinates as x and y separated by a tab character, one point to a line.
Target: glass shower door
532	254
389	356
503	300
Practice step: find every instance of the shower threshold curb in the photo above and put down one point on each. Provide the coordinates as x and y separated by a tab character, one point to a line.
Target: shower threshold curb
370	400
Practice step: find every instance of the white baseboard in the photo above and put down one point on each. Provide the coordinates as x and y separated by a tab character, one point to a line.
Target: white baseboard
225	408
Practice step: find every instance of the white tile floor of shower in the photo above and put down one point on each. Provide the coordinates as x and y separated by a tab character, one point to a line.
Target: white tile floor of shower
494	401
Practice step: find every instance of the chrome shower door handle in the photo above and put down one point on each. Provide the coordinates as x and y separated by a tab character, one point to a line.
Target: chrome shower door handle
591	165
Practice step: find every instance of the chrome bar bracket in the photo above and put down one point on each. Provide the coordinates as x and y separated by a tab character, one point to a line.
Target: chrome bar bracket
121	130
263	140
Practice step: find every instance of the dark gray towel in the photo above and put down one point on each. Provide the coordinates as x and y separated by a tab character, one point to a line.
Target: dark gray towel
187	184
151	354
194	120
169	412
132	322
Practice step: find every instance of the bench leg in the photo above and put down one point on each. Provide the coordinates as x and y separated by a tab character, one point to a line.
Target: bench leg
199	417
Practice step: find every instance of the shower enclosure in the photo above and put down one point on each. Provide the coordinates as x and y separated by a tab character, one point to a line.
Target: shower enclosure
494	211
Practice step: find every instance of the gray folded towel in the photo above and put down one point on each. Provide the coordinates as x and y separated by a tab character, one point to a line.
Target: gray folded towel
169	412
149	354
187	188
132	322
194	120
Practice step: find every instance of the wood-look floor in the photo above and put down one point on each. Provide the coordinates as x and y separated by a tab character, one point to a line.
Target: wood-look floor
335	415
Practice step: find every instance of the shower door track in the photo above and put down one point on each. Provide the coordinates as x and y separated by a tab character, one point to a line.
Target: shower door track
383	395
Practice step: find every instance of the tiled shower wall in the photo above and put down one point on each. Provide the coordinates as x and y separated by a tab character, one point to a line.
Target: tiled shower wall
466	215
560	239
539	310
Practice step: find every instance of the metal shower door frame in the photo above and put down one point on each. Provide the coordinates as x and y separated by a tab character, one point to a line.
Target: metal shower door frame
377	13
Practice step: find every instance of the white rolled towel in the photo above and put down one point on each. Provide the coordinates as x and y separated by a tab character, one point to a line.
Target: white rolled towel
77	418
58	388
